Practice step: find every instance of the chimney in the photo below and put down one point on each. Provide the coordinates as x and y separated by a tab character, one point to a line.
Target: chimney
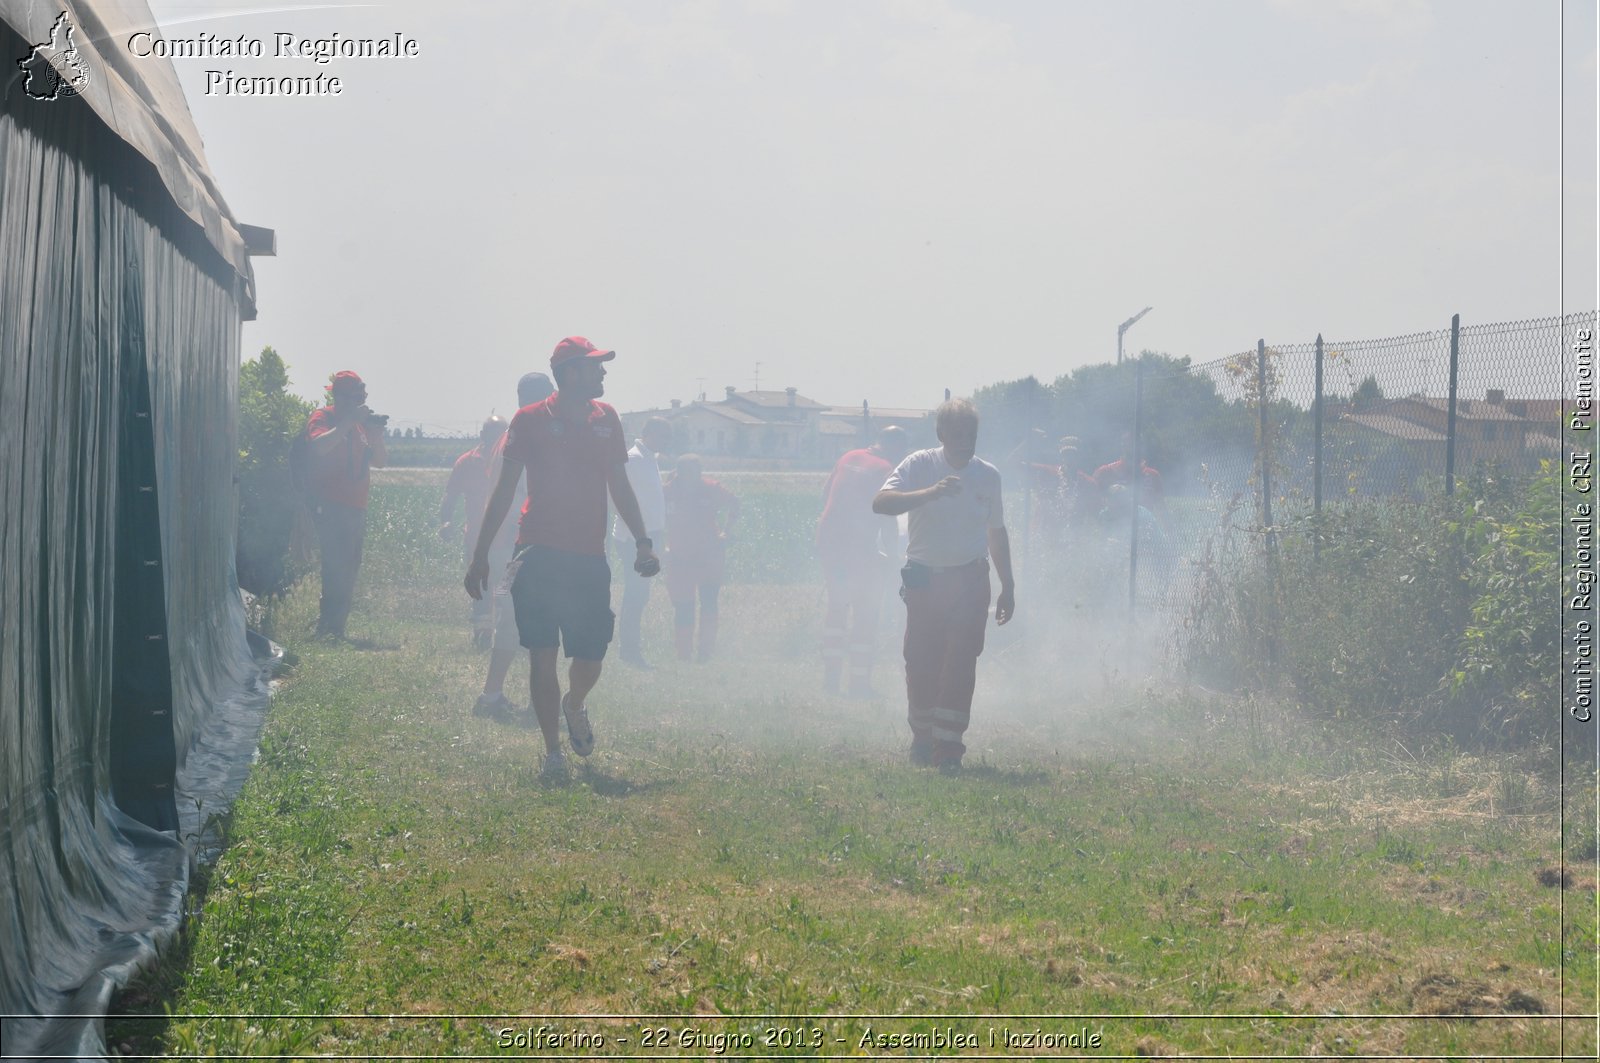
729	390
676	403
1495	396
791	392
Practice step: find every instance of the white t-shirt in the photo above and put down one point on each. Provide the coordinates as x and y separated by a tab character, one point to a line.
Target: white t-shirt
953	530
644	476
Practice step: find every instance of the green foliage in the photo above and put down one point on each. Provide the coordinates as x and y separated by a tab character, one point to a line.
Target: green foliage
1367	393
1184	416
774	539
1510	652
1432	615
269	420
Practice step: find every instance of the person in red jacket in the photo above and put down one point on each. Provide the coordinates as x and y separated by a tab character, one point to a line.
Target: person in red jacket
345	440
1067	497
696	549
469	481
854	545
1148	491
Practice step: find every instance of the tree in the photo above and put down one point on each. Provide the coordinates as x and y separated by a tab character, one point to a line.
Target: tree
1367	393
1184	420
269	420
1009	410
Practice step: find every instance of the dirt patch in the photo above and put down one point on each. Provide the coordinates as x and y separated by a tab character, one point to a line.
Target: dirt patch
1449	898
1554	876
1336	972
1154	1048
569	954
1442	993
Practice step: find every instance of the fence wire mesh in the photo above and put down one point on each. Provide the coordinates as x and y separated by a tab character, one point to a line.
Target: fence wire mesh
1231	450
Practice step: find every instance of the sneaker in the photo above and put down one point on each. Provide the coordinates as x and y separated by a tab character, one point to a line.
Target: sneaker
554	768
494	707
579	733
922	754
950	767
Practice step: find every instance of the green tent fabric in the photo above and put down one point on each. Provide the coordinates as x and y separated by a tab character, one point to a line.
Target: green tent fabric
121	630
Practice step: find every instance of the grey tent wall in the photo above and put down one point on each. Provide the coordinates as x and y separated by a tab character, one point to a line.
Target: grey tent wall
120	623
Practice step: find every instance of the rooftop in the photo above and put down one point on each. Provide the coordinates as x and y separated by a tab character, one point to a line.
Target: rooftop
1398	427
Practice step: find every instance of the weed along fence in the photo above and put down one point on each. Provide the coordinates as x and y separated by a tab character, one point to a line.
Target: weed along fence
1239	452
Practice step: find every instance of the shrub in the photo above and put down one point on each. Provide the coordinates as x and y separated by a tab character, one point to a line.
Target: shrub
1509	664
269	507
1431	615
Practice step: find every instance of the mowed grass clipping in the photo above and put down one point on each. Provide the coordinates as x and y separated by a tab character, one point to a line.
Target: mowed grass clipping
1193	874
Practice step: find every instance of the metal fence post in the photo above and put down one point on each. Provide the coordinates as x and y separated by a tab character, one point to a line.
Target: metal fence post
1316	462
1136	486
1450	417
1027	481
1261	445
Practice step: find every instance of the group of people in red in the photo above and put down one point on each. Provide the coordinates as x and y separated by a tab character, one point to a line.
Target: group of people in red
536	492
1071	498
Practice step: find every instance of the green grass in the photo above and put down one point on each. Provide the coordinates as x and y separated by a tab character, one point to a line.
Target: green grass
740	844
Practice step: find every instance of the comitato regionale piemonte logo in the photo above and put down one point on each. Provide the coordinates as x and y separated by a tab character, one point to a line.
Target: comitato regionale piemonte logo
68	73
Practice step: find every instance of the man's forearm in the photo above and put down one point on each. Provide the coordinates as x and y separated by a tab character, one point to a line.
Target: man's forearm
1000	554
893	503
627	504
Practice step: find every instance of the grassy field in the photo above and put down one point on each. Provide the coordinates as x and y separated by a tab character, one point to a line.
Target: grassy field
746	867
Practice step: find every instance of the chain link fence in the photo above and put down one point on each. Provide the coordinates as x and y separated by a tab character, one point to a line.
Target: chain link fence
1232	450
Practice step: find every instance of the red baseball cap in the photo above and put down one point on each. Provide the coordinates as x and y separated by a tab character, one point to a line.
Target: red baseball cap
578	347
345	378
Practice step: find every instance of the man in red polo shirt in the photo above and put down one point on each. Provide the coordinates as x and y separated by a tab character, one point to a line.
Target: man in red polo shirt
346	442
851	543
575	452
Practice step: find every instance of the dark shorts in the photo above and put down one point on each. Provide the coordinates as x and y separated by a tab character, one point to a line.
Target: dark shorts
563	599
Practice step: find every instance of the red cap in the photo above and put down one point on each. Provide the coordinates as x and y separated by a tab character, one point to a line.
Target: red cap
578	347
344	378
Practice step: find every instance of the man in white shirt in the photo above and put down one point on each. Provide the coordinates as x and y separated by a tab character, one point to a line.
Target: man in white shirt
644	474
957	527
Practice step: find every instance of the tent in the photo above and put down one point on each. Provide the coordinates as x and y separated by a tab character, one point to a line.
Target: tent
123	282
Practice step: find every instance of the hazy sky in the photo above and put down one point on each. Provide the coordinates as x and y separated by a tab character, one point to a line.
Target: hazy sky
880	199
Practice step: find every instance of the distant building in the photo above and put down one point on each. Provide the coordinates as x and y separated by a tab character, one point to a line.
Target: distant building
782	427
1489	431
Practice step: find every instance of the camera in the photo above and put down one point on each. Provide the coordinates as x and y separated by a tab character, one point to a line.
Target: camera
376	420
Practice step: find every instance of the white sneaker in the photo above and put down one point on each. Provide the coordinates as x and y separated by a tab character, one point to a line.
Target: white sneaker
579	733
554	768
